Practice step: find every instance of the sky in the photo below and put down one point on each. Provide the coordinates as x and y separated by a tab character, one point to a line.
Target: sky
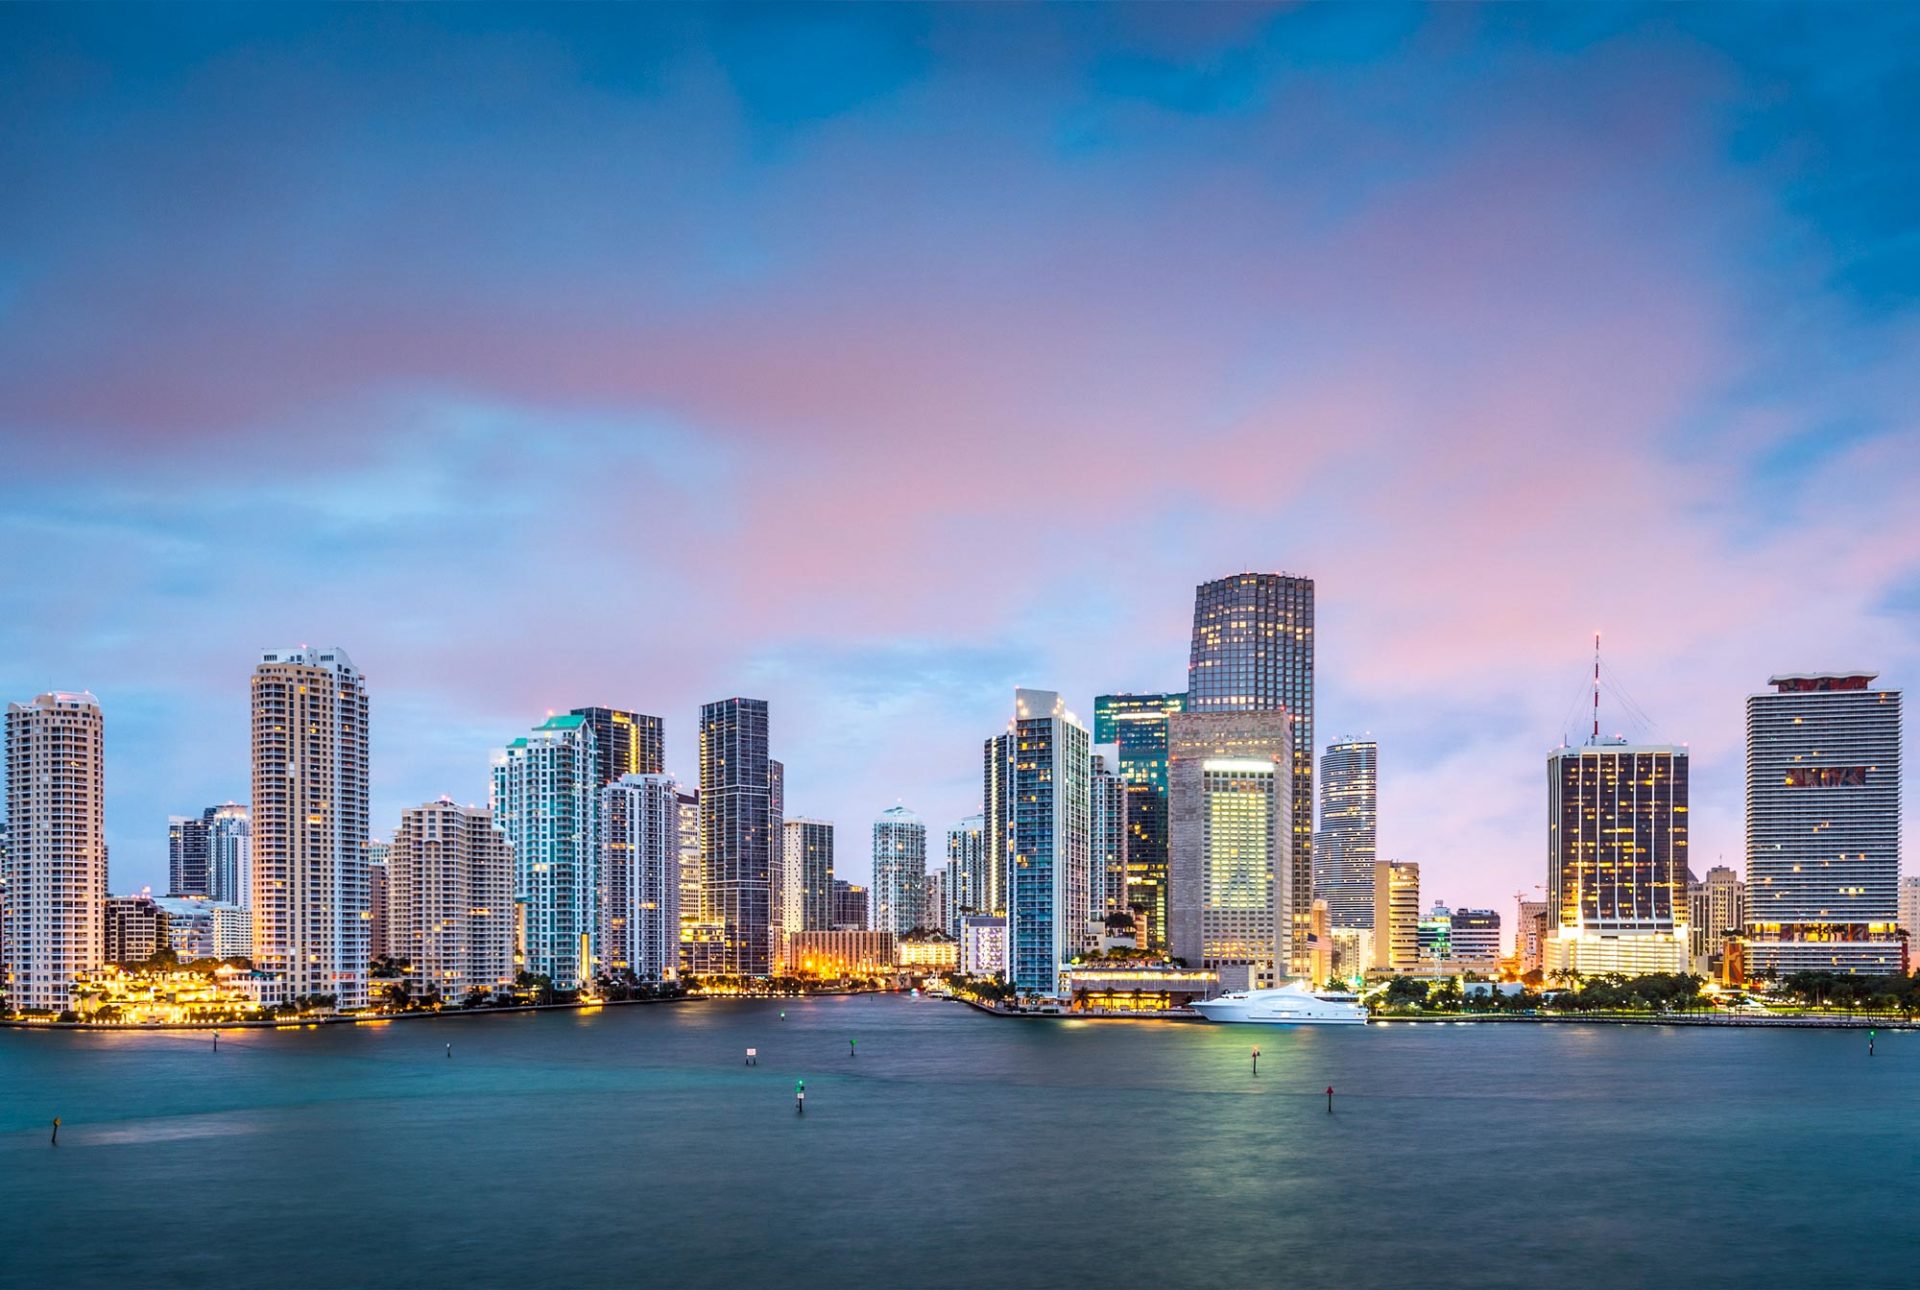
877	360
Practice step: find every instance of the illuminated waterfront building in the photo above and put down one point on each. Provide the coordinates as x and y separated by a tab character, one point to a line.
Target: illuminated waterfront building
1716	909
1823	826
1107	887
378	853
850	907
899	871
1253	652
1229	857
1474	934
832	955
309	819
545	798
450	903
52	915
1396	915
983	945
808	854
1617	859
640	877
966	886
1352	952
927	953
1344	849
1050	779
1154	987
692	932
1434	934
625	743
1137	725
739	816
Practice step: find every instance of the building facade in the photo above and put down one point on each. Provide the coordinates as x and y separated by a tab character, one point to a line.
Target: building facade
983	945
899	871
1136	724
545	798
1396	915
1253	652
53	904
450	901
135	929
1530	934
1474	934
1050	779
1109	887
1716	909
229	854
831	955
966	886
640	878
1346	846
738	819
1230	870
997	808
1823	825
808	858
625	743
309	819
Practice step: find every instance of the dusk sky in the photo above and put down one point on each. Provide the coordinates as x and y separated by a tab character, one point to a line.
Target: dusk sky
875	361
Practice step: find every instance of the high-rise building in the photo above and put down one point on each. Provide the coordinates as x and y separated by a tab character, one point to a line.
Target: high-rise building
1137	724
310	925
1475	934
187	855
1229	838
450	905
1344	850
1530	934
1050	784
899	871
933	908
738	815
1716	908
625	743
850	907
808	854
1823	826
53	909
688	804
1435	934
545	798
135	928
229	854
1253	652
1909	907
966	887
640	877
997	809
776	862
1107	886
379	899
1396	915
1617	859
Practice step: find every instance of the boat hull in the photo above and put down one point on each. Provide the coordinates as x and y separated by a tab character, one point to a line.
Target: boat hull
1281	1007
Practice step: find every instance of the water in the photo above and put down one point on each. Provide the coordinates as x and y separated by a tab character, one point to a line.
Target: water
632	1147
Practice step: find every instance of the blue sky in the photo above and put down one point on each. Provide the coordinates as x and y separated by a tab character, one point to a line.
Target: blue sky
876	360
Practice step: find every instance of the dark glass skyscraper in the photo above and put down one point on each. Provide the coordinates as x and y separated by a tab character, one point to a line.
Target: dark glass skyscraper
1253	652
737	811
1137	725
1345	848
626	743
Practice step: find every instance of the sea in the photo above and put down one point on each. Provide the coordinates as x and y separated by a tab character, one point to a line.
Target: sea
639	1146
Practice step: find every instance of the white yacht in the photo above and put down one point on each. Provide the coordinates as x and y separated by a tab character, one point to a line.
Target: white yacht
1288	1005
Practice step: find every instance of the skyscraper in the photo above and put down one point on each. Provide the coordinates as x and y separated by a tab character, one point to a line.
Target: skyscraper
1716	907
1253	652
1617	859
1137	723
546	800
53	904
737	811
997	809
808	853
1345	848
1229	833
899	871
187	855
1049	786
379	902
310	902
229	854
966	869
450	901
1823	825
1107	887
625	743
776	863
640	877
1396	915
1909	907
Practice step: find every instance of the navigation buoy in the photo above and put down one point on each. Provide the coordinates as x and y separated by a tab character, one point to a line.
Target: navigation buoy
56	1130
1256	1059
1329	1099
800	1097
449	1050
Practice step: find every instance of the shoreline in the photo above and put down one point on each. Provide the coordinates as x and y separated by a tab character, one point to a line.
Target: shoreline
1814	1021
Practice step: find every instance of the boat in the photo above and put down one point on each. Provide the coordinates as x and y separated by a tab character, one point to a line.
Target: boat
1288	1005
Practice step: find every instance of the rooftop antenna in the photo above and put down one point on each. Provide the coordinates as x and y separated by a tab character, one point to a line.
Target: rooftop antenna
1596	689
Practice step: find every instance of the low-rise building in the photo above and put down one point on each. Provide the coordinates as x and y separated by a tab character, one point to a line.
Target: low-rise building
1135	987
830	955
928	953
983	945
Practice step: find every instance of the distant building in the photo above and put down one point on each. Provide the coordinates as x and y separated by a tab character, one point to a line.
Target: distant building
625	743
1474	934
688	804
1344	850
546	800
899	871
1050	777
1530	934
1107	832
832	955
927	953
1252	651
135	929
53	924
1716	909
309	817
1396	915
198	928
966	885
186	856
1617	859
933	905
808	863
983	945
1823	826
997	808
852	910
1229	852
1909	909
229	854
450	905
379	944
739	786
1352	952
1137	725
1435	933
640	877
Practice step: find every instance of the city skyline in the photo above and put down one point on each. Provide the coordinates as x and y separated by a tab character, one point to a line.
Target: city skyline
1626	281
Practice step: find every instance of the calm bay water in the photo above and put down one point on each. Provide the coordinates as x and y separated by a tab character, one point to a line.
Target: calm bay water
632	1147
